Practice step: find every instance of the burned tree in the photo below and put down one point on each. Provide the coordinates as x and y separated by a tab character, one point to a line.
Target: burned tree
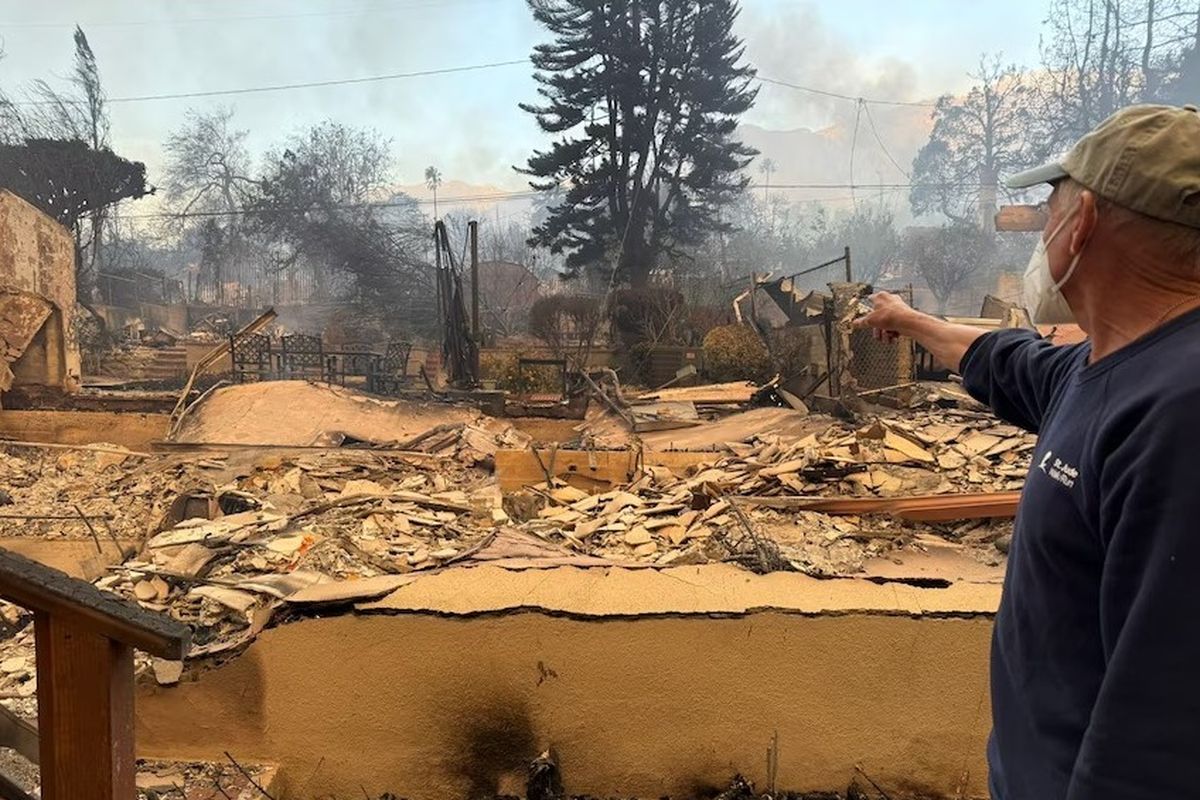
946	258
68	179
1101	56
208	167
644	97
208	172
56	155
316	210
976	140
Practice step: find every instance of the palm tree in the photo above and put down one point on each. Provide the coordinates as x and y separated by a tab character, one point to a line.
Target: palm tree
433	179
767	167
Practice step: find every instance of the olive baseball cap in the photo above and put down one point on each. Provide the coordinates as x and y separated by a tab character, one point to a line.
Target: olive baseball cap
1145	158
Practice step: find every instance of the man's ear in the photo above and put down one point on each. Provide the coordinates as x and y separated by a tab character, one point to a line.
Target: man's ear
1085	222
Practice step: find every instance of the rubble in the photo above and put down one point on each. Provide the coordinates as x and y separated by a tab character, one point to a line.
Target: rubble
236	537
732	393
121	493
298	521
605	431
161	780
228	536
671	519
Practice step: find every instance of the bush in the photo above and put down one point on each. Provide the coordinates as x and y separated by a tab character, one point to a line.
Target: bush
564	321
702	319
735	353
501	367
643	319
653	315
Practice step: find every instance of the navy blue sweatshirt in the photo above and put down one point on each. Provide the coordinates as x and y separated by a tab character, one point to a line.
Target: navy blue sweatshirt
1096	652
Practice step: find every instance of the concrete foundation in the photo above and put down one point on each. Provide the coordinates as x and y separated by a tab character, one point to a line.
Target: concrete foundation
128	429
647	684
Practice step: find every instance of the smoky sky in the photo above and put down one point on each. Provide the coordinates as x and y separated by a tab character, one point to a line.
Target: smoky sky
468	124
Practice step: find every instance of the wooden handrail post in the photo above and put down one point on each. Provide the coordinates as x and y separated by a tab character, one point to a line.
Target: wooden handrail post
85	640
85	712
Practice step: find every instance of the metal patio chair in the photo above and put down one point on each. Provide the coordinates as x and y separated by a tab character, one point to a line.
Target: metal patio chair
302	357
250	354
391	372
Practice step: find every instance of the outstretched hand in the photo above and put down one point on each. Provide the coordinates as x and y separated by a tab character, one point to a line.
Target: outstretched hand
888	317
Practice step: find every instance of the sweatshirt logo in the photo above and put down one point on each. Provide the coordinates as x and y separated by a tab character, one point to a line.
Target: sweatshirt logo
1058	469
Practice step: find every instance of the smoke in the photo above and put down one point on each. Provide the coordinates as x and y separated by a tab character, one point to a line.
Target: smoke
814	138
468	124
795	44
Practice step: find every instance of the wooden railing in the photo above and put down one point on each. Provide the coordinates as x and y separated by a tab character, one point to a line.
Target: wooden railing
85	640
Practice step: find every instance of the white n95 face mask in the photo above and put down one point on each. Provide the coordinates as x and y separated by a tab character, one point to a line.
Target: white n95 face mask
1043	295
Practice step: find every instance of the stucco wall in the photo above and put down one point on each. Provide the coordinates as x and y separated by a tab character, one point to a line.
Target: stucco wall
38	255
135	430
442	703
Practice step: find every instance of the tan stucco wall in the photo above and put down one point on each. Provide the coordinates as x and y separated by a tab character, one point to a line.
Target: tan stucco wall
38	255
439	703
125	428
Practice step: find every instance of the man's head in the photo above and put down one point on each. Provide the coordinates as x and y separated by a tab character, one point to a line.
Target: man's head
1126	197
1168	246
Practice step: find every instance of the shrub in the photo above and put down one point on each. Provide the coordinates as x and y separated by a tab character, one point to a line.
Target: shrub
564	321
501	367
653	315
735	353
643	319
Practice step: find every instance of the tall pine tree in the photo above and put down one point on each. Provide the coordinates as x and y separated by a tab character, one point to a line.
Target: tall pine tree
644	98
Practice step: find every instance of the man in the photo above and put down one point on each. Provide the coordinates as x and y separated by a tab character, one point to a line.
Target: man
1096	651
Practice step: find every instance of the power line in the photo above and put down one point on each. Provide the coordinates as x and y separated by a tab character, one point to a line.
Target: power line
493	197
426	73
479	198
289	86
344	12
497	197
882	146
840	96
911	185
858	108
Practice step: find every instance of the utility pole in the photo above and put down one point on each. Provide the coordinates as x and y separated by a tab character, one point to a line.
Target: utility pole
849	274
987	200
473	232
437	254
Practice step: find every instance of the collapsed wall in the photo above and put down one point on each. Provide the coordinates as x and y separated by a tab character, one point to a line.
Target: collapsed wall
647	683
37	299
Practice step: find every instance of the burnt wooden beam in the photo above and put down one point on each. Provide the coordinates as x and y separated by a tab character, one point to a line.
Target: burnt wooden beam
918	508
1021	218
43	589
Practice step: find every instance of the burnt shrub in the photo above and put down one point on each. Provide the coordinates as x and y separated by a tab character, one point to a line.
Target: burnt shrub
735	353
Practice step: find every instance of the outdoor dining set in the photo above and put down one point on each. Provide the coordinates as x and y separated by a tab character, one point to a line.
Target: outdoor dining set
303	356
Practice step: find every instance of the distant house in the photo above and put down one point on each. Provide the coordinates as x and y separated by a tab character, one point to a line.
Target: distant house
507	291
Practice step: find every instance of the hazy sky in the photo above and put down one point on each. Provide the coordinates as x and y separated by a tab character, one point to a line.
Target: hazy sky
468	123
